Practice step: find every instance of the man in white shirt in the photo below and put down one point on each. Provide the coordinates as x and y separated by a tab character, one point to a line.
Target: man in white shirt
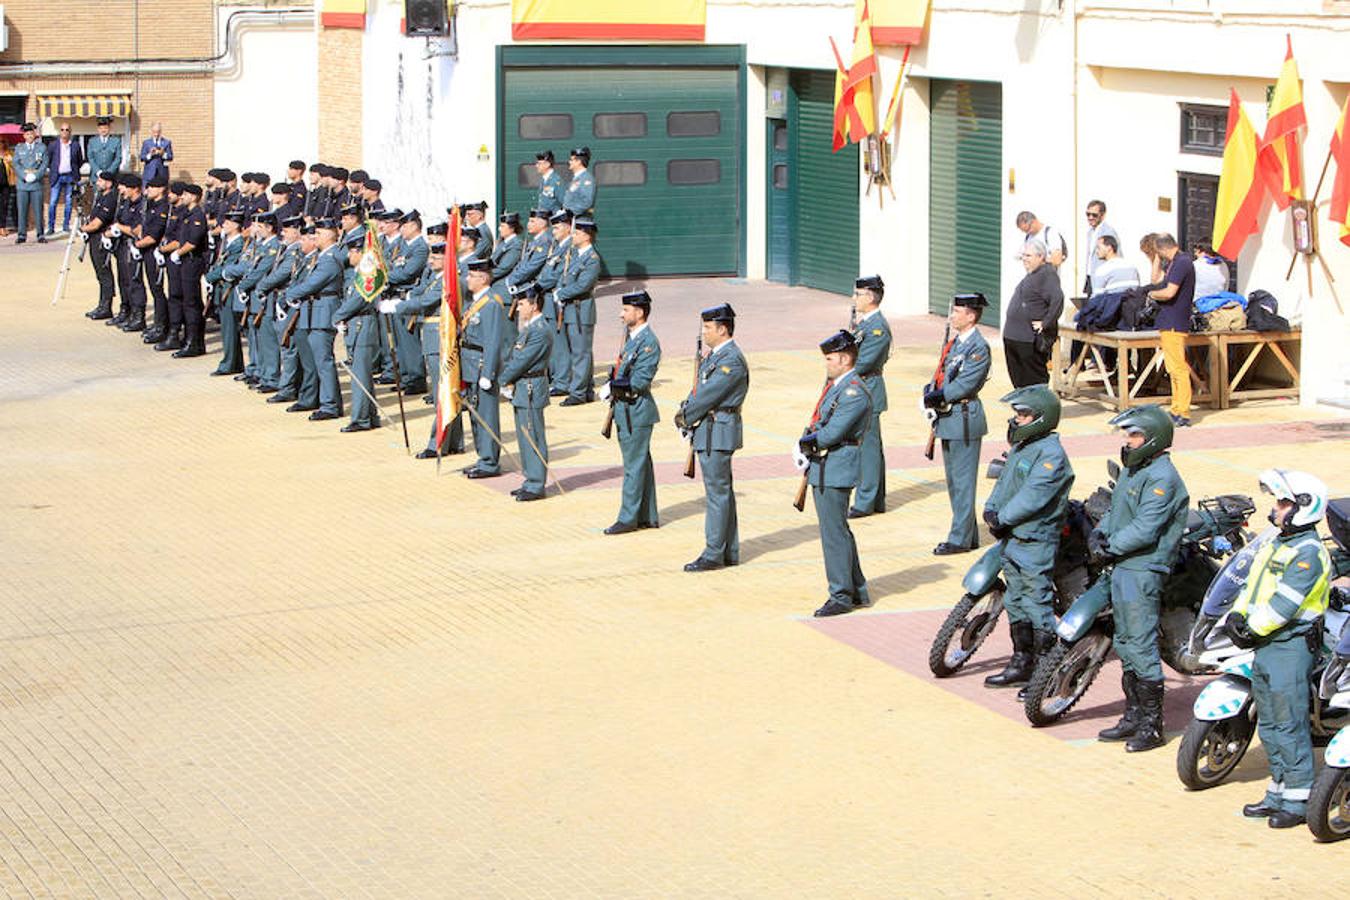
1035	229
1097	227
1111	272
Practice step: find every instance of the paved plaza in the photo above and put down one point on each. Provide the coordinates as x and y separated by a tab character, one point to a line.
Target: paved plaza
242	654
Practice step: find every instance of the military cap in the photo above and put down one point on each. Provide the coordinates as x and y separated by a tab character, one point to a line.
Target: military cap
326	222
175	187
392	214
638	298
480	265
128	180
28	126
351	209
292	221
281	187
481	206
411	215
266	218
227	175
721	313
107	175
103	120
468	234
973	300
561	217
359	176
296	164
539	214
871	283
511	218
159	179
356	240
193	189
582	153
544	156
839	342
309	228
585	224
436	249
338	172
235	215
373	184
439	229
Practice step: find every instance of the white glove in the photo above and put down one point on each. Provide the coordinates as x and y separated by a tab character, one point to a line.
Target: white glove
30	178
114	232
508	393
135	253
175	258
84	236
242	298
388	306
342	328
799	459
604	391
484	382
159	258
279	311
686	434
106	242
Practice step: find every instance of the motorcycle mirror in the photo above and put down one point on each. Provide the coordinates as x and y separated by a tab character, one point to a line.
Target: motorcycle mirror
996	467
1113	469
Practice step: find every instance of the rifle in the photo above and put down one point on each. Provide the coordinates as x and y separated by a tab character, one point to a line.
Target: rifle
698	361
608	427
931	446
290	331
799	501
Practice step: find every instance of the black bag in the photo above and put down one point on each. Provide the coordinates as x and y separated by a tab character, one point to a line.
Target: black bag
1263	312
1137	311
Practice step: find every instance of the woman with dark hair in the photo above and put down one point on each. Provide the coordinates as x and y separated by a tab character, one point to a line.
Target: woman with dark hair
1211	271
6	184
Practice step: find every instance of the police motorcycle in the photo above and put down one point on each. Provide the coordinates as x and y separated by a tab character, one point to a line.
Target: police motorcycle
1224	716
1329	801
1214	529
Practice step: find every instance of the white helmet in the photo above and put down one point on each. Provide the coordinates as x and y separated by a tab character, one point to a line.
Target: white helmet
1306	492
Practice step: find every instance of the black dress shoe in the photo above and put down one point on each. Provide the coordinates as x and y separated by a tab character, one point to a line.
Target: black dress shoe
267	389
300	407
133	326
702	565
281	398
412	390
573	401
858	514
527	496
21	240
117	321
188	351
650	525
482	473
1286	819
425	453
241	377
429	400
833	607
946	549
353	426
386	379
169	343
42	239
151	336
1259	810
100	314
557	392
216	373
322	416
621	528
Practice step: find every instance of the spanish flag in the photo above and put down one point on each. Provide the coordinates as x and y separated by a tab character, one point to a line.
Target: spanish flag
1281	160
1240	190
898	22
448	400
608	20
855	106
1340	188
343	14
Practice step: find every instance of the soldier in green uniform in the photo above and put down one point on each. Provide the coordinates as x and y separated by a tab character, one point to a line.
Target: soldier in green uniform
560	252
281	373
550	185
507	252
574	291
829	455
229	267
355	318
1141	535
579	198
526	372
480	355
103	151
958	417
872	333
320	290
710	418
424	301
629	391
261	348
406	267
1278	612
475	220
535	252
1025	512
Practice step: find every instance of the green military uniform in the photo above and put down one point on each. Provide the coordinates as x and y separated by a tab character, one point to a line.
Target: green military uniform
872	334
550	187
832	445
635	413
526	369
359	314
712	413
321	291
961	427
224	275
281	369
405	273
303	384
507	253
532	256
104	154
424	302
261	348
480	356
574	292
560	252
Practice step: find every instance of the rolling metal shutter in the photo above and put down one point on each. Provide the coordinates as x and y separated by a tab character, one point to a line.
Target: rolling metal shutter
825	189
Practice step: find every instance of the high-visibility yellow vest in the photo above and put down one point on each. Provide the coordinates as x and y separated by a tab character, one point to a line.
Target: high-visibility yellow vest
1266	598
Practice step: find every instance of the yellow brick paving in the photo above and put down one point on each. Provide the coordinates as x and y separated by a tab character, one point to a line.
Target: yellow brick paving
244	655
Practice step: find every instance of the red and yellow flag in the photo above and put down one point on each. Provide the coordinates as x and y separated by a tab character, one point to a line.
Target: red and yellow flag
855	105
898	22
448	385
1240	189
608	20
1340	188
1281	159
343	14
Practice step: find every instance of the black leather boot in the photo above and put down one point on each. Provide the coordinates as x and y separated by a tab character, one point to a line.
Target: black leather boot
100	312
1042	643
173	340
1129	720
193	345
120	319
1149	734
136	322
154	334
1023	660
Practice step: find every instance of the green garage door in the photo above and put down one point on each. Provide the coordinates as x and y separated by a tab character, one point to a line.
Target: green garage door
965	193
824	189
666	148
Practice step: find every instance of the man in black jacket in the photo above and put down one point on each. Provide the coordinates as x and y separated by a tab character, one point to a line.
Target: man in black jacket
1031	327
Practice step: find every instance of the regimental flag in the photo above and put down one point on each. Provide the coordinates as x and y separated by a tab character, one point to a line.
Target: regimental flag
343	14
1281	159
608	20
897	22
448	399
855	105
1340	188
1240	189
372	273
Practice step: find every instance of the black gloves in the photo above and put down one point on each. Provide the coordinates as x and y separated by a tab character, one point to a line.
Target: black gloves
1235	626
932	397
680	423
996	528
621	388
1099	547
808	445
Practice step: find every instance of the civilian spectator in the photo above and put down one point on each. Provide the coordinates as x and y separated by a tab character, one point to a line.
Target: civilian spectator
6	184
1111	273
1098	227
156	153
1149	247
1211	272
64	158
1031	327
30	165
1036	230
1174	323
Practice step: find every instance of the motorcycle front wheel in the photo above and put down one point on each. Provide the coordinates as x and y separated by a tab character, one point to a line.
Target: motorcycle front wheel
965	629
1210	751
1063	676
1329	805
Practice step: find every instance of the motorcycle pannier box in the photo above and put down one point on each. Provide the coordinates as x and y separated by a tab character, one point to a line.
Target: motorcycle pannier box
1338	520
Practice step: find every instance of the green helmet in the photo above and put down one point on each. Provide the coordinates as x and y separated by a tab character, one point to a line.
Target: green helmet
1156	425
1037	399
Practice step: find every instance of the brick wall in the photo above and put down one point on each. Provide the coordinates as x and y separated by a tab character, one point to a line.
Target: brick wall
340	96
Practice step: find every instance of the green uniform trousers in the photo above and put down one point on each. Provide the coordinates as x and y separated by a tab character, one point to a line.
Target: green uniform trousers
269	353
637	505
870	495
1027	568
1136	597
843	571
1280	689
325	369
721	534
534	465
961	463
231	345
361	335
308	394
487	405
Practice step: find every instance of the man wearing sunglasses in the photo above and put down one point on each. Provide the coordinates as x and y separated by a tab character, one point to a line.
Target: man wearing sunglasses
1098	227
64	158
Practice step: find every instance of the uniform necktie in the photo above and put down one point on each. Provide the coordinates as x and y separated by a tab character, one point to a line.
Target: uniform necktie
815	414
941	375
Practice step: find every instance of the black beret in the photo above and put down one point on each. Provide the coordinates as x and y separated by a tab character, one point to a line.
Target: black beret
638	298
359	176
262	178
177	187
107	175
193	189
974	300
373	184
226	175
214	173
338	172
318	167
281	187
585	224
159	179
293	222
128	180
246	177
296	164
871	283
721	313
561	217
544	156
838	342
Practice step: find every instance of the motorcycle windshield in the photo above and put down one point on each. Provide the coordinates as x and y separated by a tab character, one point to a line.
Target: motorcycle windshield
1230	580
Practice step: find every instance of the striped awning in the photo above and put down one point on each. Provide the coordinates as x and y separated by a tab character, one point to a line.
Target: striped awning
56	106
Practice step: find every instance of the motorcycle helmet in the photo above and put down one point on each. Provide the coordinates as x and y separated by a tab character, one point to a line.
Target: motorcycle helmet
1306	492
1038	400
1154	423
